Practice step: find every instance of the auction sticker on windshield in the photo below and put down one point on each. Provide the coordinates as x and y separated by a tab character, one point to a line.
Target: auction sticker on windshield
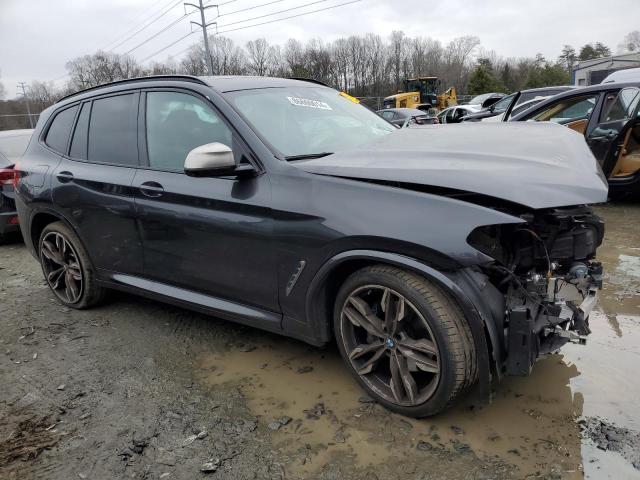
305	102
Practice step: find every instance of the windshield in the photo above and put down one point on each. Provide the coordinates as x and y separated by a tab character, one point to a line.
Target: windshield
308	121
502	105
14	146
479	99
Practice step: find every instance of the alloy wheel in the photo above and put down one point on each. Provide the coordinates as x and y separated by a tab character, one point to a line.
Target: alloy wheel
390	345
61	267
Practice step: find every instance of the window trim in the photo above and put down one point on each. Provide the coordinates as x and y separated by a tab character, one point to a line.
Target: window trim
136	93
75	123
73	132
45	131
602	112
143	151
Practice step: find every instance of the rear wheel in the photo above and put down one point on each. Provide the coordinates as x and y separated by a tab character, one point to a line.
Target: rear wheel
405	340
67	268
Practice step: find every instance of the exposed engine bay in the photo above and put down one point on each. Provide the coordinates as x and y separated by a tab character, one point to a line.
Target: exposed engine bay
545	269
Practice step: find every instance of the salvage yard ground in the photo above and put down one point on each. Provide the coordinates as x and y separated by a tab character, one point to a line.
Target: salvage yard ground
138	389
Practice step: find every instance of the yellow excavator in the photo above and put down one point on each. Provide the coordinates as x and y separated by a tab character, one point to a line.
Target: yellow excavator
421	93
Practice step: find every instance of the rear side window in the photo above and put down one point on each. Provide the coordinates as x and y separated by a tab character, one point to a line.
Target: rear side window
60	130
113	135
79	141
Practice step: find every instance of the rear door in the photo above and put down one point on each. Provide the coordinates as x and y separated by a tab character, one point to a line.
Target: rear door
618	116
209	235
92	184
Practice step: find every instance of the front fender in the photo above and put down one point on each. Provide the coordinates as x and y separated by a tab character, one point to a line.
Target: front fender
318	317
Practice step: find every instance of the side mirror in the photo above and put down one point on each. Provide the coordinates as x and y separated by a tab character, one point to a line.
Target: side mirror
210	160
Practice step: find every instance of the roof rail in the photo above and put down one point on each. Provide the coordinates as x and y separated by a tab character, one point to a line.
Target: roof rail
310	80
189	78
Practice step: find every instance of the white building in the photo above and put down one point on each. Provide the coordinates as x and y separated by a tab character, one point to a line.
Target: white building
592	72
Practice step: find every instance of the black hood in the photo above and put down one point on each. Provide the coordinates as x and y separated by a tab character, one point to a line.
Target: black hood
539	165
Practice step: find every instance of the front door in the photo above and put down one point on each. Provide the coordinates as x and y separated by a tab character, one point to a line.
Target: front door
618	116
209	235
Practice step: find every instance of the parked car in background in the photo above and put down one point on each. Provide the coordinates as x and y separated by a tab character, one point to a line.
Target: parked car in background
13	143
607	115
486	99
405	116
515	103
283	205
456	113
621	76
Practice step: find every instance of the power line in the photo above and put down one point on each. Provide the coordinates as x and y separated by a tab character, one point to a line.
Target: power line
247	26
275	13
175	22
168	46
250	8
290	16
171	7
135	24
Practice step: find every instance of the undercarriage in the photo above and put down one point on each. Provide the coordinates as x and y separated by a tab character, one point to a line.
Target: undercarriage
546	271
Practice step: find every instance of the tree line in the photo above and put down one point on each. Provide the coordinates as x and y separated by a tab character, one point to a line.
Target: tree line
364	66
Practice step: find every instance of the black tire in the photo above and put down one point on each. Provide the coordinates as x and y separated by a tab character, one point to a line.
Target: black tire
447	325
89	292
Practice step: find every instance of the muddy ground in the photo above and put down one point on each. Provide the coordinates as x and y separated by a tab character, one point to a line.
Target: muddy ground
138	389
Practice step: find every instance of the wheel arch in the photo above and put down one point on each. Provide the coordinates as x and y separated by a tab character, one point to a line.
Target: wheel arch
40	219
323	289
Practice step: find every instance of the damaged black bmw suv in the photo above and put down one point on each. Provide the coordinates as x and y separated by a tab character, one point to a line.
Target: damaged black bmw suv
439	259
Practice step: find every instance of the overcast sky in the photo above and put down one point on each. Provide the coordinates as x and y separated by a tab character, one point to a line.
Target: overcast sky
37	37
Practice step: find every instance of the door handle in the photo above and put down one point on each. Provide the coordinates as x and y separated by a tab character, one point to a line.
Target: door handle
151	189
64	176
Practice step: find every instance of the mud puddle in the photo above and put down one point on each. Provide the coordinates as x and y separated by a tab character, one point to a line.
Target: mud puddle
525	429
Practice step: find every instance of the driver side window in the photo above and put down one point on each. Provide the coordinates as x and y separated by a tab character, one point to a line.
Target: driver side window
568	110
176	124
623	107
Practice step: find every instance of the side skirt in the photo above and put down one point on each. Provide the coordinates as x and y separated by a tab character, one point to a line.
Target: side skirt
209	305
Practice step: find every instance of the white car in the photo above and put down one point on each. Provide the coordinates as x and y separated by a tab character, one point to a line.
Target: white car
456	113
626	75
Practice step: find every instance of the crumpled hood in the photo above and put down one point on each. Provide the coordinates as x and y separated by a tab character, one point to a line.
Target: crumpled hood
539	165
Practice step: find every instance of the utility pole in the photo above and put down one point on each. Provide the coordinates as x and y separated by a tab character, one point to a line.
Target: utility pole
23	86
204	26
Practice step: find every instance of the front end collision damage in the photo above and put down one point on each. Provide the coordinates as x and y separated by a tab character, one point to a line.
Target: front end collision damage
547	277
529	292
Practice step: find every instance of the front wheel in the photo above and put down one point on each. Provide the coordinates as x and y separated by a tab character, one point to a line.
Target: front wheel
67	268
405	340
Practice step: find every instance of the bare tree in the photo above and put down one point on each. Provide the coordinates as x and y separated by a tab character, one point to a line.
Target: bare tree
319	61
631	42
168	67
2	91
362	65
101	67
397	55
458	60
295	59
340	56
42	94
194	62
258	55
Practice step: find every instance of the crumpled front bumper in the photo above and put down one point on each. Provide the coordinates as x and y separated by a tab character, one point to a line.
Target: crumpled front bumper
536	328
